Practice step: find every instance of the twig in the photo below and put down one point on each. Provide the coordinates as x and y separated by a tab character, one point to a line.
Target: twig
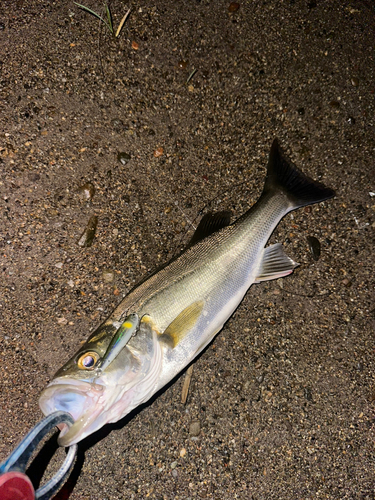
185	387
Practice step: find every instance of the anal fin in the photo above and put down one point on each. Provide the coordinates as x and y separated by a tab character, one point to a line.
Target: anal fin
182	324
275	264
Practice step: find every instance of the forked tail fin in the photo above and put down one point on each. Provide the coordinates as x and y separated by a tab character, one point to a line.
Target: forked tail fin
299	188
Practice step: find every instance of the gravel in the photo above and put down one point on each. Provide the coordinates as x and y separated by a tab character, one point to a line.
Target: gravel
193	94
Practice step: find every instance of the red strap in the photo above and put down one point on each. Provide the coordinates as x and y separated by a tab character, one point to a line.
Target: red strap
16	486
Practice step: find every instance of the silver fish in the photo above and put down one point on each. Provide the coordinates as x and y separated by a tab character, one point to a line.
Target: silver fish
166	321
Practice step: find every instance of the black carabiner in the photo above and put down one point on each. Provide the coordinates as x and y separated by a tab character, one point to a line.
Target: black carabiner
15	465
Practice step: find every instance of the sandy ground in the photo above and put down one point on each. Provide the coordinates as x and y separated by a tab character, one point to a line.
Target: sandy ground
281	405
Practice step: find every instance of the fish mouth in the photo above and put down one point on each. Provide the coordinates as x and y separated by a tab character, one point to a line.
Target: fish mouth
83	400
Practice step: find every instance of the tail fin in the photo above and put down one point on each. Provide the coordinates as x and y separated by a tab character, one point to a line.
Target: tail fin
283	175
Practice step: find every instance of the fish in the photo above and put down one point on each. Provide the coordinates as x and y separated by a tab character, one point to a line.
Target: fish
171	316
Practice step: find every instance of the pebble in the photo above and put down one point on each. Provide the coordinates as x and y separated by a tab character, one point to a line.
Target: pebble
334	104
108	275
88	234
354	81
87	190
158	152
314	247
350	120
195	428
308	394
117	124
233	7
123	157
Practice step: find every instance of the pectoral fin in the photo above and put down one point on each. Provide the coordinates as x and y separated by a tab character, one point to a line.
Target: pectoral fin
275	264
182	324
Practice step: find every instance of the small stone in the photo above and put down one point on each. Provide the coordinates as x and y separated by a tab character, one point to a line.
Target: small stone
334	104
195	428
59	265
308	394
233	7
350	120
108	275
158	152
354	81
174	465
117	124
314	247
88	234
182	452
87	190
123	157
268	396
62	321
135	45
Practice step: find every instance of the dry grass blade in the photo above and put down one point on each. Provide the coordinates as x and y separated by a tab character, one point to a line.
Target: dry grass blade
185	387
122	23
191	76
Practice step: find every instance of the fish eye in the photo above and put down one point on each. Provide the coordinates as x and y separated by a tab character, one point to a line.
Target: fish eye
88	360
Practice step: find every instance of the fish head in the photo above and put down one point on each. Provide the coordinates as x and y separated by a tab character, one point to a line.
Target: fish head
96	393
93	397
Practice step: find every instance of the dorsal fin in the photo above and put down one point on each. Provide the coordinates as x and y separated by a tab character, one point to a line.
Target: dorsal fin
209	224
